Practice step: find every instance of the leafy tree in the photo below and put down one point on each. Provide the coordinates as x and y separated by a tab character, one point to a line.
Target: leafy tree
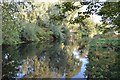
19	21
109	12
110	15
11	26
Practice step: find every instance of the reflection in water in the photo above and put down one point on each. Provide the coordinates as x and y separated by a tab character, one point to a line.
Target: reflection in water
37	60
76	53
81	74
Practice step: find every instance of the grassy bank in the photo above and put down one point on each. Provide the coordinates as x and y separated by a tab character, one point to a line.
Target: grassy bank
104	58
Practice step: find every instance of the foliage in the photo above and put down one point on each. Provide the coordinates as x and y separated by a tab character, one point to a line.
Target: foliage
85	31
55	17
44	59
32	32
10	59
11	27
16	54
57	32
66	34
103	59
60	33
25	25
29	33
40	22
110	12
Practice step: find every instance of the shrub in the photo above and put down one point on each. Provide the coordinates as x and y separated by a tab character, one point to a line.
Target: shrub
32	33
57	32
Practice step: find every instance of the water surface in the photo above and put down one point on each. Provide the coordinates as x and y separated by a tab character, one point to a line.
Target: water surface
44	60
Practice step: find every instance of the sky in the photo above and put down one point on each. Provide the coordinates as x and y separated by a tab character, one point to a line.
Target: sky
96	18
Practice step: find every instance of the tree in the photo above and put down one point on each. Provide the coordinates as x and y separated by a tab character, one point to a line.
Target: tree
110	15
10	24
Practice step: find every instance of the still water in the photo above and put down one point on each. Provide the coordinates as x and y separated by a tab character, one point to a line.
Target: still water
44	60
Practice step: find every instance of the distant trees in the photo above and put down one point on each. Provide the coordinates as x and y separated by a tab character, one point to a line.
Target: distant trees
20	23
28	20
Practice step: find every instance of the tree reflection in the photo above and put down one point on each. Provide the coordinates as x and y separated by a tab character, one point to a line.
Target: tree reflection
11	58
39	60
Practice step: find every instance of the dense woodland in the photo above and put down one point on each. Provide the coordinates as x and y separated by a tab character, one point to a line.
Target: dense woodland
31	21
45	22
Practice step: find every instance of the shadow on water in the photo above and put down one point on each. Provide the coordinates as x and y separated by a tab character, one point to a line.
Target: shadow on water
43	60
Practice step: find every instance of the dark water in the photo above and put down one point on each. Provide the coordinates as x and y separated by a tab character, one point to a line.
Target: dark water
43	60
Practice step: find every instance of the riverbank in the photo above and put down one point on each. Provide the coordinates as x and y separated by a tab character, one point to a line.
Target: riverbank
104	58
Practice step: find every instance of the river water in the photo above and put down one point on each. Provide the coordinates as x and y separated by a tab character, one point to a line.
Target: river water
44	60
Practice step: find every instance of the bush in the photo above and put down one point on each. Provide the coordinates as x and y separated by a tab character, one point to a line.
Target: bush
10	36
29	33
60	33
57	32
34	33
10	25
104	58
